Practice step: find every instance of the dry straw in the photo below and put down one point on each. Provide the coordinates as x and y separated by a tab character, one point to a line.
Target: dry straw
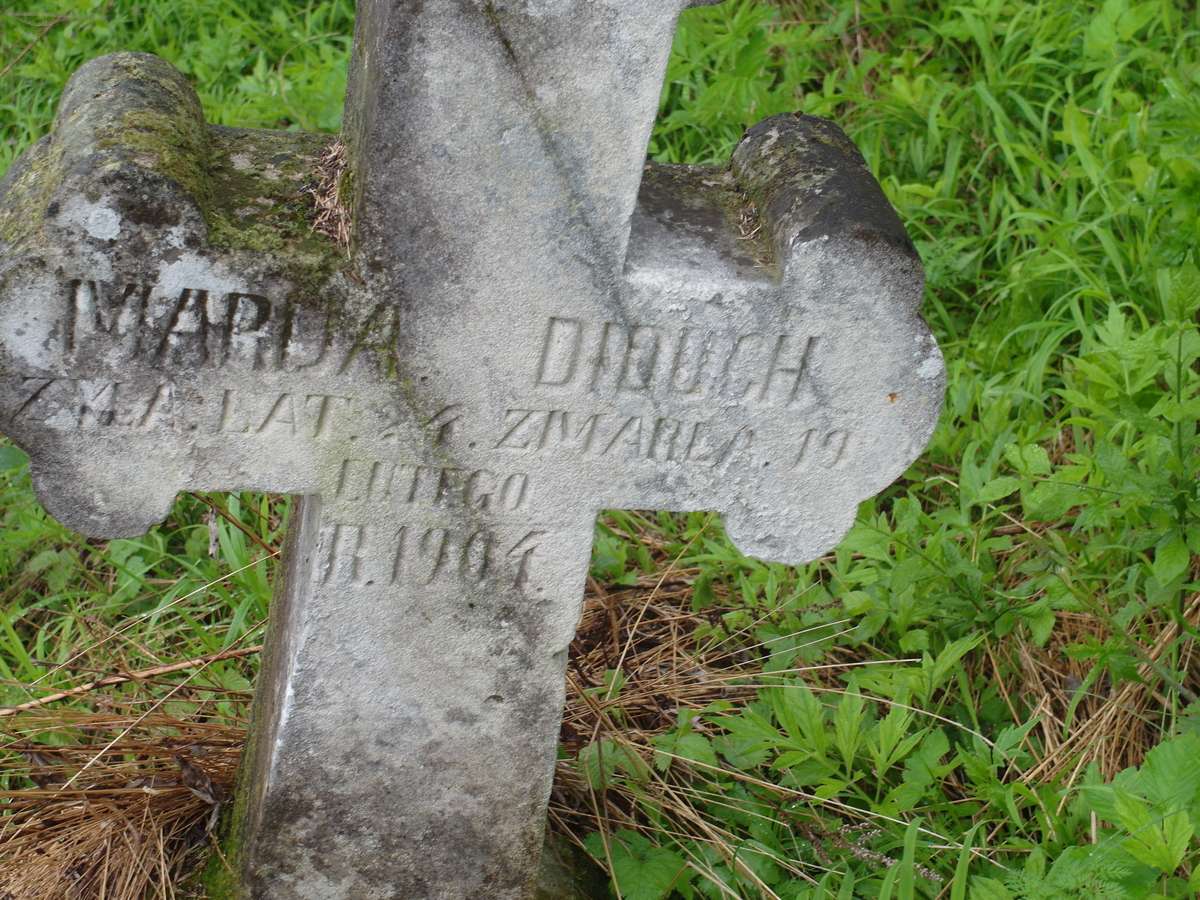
332	215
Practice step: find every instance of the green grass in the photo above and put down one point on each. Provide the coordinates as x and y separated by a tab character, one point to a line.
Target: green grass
1039	561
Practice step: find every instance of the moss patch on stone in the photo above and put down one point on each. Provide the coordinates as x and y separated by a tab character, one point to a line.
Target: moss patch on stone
260	186
26	191
135	108
165	145
217	882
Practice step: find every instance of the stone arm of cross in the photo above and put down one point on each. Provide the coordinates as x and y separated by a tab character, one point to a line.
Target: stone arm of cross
169	320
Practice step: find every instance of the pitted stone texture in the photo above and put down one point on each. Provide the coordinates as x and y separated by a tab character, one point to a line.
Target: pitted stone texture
517	340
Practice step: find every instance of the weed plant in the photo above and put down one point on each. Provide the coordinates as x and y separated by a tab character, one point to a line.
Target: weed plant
989	690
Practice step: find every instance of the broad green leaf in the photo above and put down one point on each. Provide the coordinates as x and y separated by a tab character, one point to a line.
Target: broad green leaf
692	746
914	639
1141	172
1161	844
848	721
649	876
601	760
802	716
11	458
997	489
1100	39
1171	558
1035	864
1040	618
988	889
940	669
1028	459
1170	774
642	870
1050	500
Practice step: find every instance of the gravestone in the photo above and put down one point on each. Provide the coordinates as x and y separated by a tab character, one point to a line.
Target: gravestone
529	325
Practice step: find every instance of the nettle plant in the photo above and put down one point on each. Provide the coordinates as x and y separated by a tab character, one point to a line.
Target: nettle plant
1142	828
1133	392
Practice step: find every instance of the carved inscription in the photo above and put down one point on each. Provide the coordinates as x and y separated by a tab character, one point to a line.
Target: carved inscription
610	358
285	414
194	327
70	404
407	483
825	450
138	327
441	427
379	555
657	438
198	328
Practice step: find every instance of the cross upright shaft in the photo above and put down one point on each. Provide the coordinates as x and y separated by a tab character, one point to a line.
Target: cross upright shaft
496	151
509	129
519	339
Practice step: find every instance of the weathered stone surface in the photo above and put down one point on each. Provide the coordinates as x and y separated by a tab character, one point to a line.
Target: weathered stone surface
517	340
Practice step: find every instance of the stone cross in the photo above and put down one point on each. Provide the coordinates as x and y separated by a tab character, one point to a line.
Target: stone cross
529	325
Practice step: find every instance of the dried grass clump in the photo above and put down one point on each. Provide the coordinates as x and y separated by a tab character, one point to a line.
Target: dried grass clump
1081	718
1112	728
648	633
670	661
118	805
332	217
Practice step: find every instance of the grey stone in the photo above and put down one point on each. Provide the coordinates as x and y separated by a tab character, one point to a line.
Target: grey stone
519	337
